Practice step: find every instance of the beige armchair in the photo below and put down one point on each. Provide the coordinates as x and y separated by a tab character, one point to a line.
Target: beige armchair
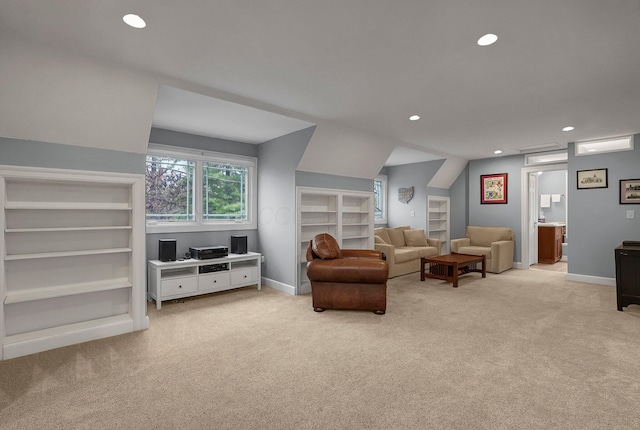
496	243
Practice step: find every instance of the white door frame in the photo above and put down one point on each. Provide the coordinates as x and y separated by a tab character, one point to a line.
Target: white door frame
524	208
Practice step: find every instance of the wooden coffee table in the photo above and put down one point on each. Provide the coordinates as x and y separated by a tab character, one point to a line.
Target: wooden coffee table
448	267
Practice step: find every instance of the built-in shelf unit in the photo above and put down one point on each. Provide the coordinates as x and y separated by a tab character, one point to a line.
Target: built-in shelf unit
439	220
72	257
346	215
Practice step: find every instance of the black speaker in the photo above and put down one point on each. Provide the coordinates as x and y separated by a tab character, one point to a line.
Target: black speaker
167	250
238	244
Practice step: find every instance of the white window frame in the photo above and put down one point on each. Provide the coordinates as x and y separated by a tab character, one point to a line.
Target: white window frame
199	157
602	146
384	180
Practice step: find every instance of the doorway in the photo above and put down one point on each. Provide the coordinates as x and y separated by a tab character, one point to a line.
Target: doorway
544	205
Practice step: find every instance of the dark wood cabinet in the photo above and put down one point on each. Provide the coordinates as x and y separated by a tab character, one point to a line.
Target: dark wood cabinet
550	240
627	275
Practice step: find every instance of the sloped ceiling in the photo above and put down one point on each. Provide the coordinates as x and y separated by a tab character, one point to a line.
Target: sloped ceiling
368	65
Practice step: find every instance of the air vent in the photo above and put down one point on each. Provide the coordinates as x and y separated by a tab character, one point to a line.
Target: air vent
553	146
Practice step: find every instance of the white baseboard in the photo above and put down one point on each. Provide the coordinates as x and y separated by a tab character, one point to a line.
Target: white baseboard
280	286
591	279
517	265
564	258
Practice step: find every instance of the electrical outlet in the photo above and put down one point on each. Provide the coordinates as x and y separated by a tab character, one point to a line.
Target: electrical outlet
413	213
631	214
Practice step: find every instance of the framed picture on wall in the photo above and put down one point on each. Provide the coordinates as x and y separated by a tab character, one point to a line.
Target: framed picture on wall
493	188
630	191
594	178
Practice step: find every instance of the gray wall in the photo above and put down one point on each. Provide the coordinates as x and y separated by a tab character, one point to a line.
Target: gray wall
498	215
554	182
54	155
186	140
459	204
319	180
277	162
205	238
597	220
417	175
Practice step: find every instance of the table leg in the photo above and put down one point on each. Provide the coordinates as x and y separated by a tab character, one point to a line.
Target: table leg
422	264
484	266
455	274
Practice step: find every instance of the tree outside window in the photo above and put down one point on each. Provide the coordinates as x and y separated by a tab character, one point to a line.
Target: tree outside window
199	191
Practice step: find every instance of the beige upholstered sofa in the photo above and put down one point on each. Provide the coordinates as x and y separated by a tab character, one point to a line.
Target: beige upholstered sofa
494	242
403	247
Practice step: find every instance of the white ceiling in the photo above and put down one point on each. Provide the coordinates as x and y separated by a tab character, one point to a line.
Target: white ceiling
189	112
370	64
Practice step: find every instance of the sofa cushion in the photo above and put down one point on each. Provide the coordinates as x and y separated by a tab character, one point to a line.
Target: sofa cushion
396	235
424	251
475	250
326	247
382	232
405	254
378	239
415	238
484	236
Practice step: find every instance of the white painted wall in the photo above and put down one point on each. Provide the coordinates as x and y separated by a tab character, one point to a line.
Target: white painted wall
52	96
343	151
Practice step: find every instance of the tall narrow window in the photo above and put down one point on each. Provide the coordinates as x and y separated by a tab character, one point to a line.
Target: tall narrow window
380	199
169	189
225	192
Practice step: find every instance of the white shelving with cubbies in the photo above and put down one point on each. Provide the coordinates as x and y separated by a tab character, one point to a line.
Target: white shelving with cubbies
72	247
439	220
345	215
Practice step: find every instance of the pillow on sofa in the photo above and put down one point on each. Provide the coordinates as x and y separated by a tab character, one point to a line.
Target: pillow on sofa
326	247
396	234
415	238
378	239
382	232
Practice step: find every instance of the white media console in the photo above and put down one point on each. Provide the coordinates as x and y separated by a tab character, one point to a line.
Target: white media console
178	279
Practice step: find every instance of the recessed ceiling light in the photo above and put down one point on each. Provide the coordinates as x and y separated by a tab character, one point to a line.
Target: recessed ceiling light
487	39
134	20
414	117
497	151
568	128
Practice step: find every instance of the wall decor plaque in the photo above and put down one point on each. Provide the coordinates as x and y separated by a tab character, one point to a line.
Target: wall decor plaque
405	194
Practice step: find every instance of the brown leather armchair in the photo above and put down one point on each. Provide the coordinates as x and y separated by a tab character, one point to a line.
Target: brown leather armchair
346	278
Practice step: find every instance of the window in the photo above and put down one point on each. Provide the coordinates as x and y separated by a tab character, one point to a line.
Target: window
546	157
380	199
613	144
199	191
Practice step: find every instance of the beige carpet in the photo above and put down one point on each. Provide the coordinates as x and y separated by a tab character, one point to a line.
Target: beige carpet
519	350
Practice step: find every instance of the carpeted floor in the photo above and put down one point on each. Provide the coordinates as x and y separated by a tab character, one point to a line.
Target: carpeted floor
519	350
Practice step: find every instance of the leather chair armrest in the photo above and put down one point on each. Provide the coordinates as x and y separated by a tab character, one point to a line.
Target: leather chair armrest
361	254
343	270
435	243
457	243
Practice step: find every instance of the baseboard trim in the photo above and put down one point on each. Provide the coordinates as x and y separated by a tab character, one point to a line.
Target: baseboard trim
591	279
517	265
280	286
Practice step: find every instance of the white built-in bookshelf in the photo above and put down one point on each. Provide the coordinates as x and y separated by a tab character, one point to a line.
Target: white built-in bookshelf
346	215
439	220
72	264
